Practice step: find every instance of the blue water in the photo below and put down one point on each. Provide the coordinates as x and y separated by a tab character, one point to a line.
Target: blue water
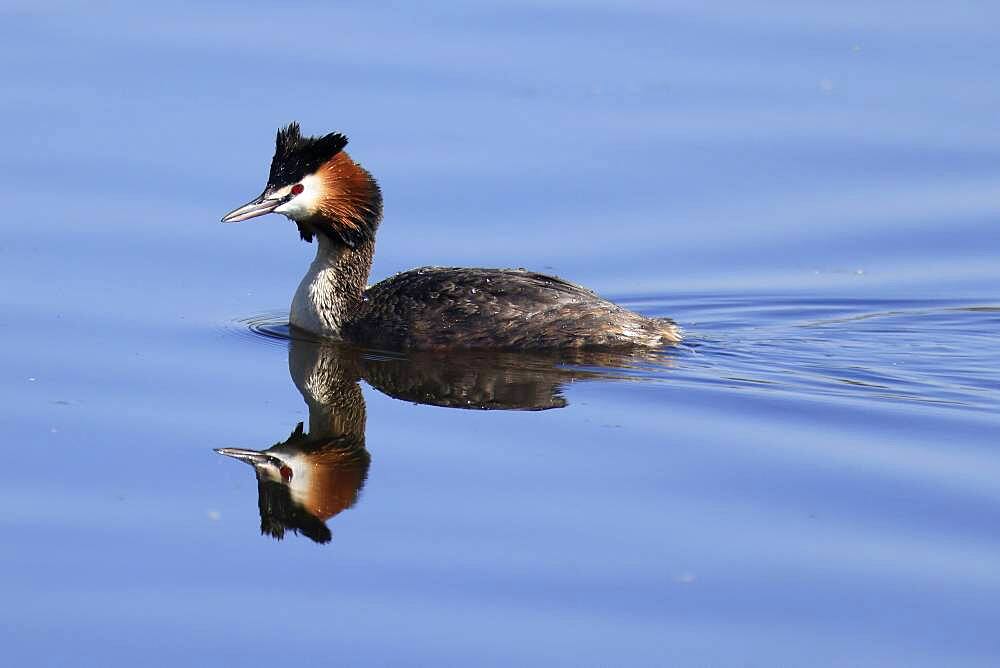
809	189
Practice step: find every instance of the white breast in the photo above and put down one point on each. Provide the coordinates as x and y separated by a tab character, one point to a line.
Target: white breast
315	306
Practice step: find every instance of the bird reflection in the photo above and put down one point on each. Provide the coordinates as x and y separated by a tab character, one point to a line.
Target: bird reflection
304	481
313	475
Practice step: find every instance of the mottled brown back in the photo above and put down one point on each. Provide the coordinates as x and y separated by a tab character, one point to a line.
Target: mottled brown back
450	307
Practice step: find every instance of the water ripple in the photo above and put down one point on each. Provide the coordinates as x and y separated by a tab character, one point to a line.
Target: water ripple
937	352
270	327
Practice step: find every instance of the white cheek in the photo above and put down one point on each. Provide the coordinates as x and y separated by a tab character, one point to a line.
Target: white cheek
305	203
293	209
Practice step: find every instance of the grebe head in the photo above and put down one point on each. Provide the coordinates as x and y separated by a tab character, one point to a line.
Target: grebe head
316	184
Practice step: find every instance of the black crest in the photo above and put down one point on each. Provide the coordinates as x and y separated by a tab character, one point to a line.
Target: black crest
280	513
295	155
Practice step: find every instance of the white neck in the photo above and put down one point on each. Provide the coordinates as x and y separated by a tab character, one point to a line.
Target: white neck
332	288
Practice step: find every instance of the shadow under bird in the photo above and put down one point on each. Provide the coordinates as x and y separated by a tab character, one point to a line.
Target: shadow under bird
332	199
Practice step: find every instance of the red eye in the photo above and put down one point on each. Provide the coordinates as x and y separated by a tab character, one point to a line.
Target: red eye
297	188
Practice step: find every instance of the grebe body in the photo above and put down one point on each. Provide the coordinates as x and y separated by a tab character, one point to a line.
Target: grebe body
333	199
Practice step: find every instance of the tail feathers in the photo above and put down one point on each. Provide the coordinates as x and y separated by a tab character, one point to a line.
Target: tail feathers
668	329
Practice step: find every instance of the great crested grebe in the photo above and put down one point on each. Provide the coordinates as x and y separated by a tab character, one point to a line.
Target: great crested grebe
330	197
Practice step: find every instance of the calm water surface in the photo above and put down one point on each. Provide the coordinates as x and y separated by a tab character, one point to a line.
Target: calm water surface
812	478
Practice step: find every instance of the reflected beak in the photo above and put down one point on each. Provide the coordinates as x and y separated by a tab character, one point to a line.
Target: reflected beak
258	207
251	457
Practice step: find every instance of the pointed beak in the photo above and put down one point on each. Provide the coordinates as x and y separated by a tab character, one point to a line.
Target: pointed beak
258	207
251	457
